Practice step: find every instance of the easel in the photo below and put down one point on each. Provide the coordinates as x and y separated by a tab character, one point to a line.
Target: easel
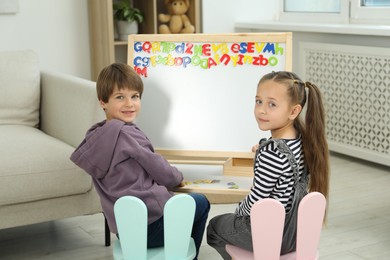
236	62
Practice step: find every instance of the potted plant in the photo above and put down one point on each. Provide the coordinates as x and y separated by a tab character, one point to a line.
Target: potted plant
127	18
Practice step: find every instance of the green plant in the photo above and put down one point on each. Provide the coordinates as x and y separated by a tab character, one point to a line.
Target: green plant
123	11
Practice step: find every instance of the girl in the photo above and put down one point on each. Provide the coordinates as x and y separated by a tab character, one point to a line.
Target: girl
294	149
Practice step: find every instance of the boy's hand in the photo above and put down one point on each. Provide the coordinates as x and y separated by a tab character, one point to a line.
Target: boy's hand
181	184
255	147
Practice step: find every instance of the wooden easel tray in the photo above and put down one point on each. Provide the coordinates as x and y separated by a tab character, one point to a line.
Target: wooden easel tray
224	177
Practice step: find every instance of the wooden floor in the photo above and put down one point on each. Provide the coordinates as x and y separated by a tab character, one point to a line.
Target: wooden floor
358	224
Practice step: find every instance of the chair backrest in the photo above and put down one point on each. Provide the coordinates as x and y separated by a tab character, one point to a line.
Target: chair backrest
131	217
179	212
267	222
311	214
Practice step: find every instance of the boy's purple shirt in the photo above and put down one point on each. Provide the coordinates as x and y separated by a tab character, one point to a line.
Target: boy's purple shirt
122	161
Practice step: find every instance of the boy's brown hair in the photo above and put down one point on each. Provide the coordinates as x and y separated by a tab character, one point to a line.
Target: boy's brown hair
118	75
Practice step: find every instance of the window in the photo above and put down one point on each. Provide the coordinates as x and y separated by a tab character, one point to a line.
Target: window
319	11
370	11
335	11
375	3
322	6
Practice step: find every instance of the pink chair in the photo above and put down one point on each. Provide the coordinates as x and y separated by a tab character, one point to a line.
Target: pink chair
267	229
267	222
311	214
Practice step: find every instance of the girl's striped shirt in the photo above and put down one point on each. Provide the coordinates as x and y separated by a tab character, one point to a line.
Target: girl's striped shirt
273	176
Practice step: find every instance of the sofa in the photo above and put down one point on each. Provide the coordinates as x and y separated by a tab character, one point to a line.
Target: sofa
43	117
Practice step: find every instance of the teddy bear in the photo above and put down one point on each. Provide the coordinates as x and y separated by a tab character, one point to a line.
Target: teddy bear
177	18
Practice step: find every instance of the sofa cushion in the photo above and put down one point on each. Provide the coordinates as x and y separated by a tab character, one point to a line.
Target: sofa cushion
19	88
35	166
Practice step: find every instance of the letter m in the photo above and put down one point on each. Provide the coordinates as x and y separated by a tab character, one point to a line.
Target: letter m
269	47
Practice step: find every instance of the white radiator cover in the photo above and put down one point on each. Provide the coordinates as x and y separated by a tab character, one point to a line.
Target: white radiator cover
355	83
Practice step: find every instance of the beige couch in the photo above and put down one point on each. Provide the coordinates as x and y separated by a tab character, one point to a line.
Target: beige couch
43	117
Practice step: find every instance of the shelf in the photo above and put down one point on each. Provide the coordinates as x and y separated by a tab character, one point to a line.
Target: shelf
119	43
104	48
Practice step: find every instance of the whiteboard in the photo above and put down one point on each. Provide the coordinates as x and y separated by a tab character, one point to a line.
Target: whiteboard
199	89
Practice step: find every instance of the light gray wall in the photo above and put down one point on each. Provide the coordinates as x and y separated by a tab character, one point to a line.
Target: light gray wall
219	16
56	29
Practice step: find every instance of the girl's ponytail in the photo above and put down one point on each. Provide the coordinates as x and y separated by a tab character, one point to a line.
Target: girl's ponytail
314	141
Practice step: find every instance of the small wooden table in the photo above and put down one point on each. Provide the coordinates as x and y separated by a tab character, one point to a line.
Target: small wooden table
224	177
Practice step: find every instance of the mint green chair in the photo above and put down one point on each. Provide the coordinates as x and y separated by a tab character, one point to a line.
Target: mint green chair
131	218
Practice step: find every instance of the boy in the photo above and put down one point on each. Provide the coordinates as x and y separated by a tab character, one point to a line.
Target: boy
122	161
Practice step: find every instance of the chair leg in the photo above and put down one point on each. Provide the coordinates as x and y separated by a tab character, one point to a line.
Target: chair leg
107	232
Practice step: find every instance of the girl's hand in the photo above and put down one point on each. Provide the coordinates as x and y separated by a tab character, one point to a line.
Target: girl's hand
181	184
255	147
